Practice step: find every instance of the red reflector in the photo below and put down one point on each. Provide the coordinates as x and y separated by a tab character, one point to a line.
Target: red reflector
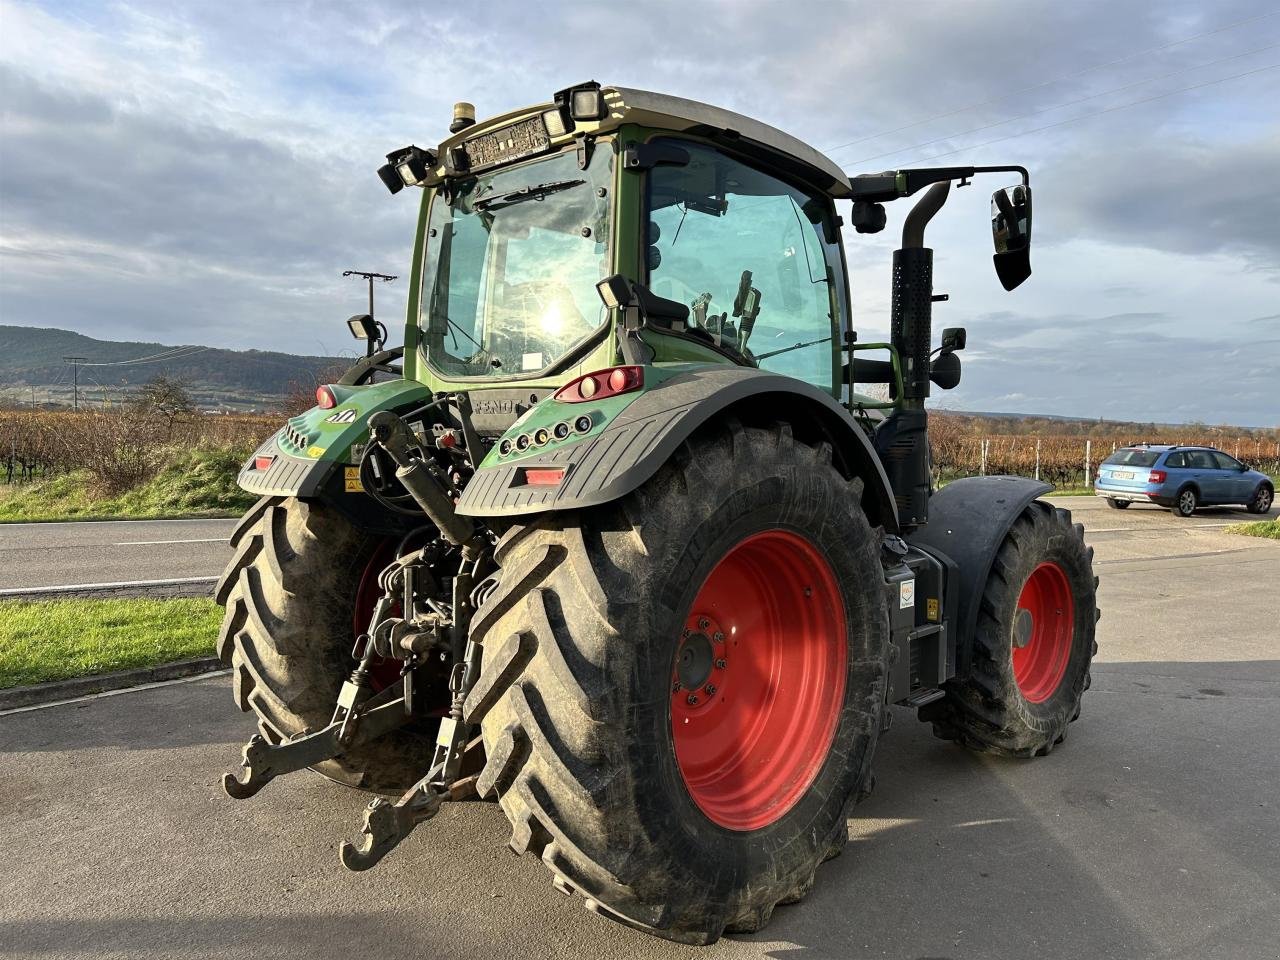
549	477
601	384
1157	476
263	463
325	398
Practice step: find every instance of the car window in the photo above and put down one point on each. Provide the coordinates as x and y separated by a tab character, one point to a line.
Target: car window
1134	458
1225	462
1200	460
1176	460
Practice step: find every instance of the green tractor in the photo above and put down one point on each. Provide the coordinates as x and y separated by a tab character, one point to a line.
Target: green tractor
614	540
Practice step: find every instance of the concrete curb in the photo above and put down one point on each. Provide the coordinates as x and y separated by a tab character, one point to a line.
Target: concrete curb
179	587
85	686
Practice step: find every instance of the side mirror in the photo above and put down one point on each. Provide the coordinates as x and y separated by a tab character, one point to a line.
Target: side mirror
945	371
1011	231
953	339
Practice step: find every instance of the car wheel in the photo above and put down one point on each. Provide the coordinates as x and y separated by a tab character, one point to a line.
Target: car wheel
1186	503
1115	504
1262	499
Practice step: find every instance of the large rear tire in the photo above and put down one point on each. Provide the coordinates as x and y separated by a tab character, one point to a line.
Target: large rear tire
682	692
1029	661
290	593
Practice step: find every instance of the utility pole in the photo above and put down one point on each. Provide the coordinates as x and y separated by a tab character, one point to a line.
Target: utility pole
385	278
75	379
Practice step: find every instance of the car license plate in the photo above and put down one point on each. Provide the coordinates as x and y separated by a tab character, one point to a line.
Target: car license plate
1123	474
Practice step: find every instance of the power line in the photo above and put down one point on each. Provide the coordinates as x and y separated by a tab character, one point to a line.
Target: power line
1068	103
75	374
1051	81
1098	113
173	353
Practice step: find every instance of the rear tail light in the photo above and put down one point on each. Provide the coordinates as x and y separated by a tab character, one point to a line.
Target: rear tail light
263	463
543	477
1157	476
325	398
601	384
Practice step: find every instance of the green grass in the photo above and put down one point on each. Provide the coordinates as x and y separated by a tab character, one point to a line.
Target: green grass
195	483
1259	528
44	640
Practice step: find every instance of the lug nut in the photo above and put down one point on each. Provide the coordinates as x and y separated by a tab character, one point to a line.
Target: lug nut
692	700
710	689
684	634
720	663
703	623
718	637
675	687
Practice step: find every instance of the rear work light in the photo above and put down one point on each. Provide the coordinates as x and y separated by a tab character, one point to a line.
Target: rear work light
601	384
1157	476
325	398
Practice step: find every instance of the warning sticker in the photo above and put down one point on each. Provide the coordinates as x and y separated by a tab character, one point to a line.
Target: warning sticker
531	361
931	609
315	451
351	477
907	594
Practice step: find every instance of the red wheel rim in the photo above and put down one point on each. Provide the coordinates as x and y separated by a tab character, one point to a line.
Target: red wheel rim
384	671
1042	634
758	680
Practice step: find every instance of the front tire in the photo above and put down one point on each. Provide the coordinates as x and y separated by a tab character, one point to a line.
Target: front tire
290	593
614	635
1029	659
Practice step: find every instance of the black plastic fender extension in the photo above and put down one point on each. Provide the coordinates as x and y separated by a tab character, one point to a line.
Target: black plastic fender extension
646	433
968	520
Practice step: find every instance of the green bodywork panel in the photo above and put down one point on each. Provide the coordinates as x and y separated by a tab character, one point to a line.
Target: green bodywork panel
548	413
328	435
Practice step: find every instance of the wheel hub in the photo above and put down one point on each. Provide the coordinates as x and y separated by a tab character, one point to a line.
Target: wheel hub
757	680
1043	632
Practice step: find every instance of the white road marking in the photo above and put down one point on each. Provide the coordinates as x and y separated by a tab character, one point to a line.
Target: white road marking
54	524
116	693
69	587
151	543
1184	526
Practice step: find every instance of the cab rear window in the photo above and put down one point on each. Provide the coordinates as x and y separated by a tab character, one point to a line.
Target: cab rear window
1134	458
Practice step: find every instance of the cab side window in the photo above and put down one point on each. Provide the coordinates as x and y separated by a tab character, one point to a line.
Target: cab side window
755	259
1225	462
1200	460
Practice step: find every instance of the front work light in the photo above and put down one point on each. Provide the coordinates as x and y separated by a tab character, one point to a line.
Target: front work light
615	291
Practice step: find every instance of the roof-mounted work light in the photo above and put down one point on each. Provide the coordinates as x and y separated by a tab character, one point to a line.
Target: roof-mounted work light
407	167
583	102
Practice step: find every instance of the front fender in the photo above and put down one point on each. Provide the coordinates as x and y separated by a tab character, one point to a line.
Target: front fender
629	446
968	520
299	459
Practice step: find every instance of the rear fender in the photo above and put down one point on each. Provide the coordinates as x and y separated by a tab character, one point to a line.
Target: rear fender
627	446
300	458
968	521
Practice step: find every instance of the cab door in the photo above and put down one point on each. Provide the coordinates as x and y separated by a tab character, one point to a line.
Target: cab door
1236	486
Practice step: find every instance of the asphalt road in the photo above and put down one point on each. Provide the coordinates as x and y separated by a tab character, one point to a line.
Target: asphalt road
60	554
1153	831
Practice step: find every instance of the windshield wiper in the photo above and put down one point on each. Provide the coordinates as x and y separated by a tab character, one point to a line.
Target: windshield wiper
794	346
526	193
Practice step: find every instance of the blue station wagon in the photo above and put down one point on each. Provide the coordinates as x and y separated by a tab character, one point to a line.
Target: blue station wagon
1182	478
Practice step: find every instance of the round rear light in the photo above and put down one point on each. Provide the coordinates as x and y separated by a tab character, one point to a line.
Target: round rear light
325	398
588	387
618	380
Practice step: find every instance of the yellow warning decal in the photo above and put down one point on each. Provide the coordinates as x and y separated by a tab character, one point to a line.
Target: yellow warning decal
352	477
931	608
315	451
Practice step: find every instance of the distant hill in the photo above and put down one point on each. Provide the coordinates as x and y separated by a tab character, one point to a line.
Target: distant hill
32	357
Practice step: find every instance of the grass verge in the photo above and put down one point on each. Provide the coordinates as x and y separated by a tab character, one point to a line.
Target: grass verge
42	640
195	483
1270	529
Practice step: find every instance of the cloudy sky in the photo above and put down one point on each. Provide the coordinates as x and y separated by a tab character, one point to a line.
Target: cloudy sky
204	172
